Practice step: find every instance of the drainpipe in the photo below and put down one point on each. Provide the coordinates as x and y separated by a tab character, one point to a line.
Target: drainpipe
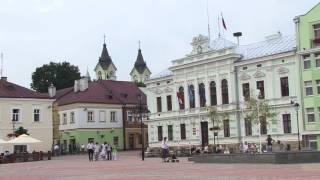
237	102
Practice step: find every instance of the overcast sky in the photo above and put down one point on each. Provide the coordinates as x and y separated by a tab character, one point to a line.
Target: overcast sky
35	32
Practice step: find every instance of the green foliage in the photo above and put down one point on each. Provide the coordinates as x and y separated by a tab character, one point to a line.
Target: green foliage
261	108
21	131
61	75
140	84
216	117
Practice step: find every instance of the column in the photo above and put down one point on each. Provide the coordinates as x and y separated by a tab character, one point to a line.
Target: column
196	94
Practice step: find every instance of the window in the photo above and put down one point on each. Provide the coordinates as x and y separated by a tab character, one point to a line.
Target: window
259	65
318	86
36	115
316	30
71	117
116	141
226	128
15	114
64	118
202	95
159	106
224	91
213	93
248	127
308	88
99	75
263	125
260	86
245	68
306	62
183	131
319	112
180	96
160	133
284	86
317	56
246	91
191	96
170	133
90	116
130	118
310	114
102	116
169	103
113	116
286	118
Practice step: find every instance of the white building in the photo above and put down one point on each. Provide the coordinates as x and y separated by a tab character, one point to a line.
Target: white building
216	74
21	107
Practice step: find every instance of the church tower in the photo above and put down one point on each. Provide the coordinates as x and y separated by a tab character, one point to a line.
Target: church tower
105	69
140	72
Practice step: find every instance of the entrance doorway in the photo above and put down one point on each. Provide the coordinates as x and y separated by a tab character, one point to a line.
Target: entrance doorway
204	134
131	141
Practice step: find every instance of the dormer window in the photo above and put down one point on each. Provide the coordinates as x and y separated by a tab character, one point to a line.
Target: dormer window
99	75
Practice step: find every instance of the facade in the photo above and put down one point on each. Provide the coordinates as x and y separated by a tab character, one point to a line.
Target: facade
21	107
140	72
105	69
98	111
218	74
308	41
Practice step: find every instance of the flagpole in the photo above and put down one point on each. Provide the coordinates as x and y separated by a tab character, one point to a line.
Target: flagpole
224	38
208	23
218	25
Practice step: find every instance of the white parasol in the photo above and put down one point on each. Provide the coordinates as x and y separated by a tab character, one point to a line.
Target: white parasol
24	139
3	141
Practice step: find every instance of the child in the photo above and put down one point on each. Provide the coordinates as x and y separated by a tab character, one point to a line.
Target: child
114	153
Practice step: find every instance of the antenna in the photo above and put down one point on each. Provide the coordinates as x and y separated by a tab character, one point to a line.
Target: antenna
1	70
237	35
208	22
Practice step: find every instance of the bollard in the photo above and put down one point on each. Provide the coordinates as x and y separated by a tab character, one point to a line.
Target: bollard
41	155
49	155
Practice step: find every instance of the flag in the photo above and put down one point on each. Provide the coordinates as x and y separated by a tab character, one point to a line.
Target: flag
179	98
202	94
223	23
191	96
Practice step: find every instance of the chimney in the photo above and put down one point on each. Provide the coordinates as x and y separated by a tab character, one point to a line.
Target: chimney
83	85
76	85
52	90
4	78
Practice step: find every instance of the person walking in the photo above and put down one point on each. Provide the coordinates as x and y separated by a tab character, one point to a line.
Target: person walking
90	148
56	149
164	149
96	151
103	151
114	153
109	149
269	143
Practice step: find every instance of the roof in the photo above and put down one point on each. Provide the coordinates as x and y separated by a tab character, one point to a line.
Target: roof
104	92
164	73
11	90
105	60
140	65
221	43
274	44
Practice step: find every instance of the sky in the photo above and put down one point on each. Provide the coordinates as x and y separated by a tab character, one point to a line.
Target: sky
35	32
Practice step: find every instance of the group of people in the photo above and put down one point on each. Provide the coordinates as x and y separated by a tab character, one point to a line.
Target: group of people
271	146
104	151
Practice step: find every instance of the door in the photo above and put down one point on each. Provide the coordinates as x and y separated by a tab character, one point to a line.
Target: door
131	141
204	133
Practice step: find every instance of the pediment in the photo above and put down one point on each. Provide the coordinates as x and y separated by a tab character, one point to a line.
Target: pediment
245	76
167	89
283	70
259	74
158	91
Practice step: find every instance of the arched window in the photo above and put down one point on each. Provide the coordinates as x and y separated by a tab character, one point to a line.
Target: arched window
213	93
181	97
224	91
202	95
99	75
191	96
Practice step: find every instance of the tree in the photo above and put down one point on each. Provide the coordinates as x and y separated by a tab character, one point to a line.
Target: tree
61	75
140	84
216	117
18	132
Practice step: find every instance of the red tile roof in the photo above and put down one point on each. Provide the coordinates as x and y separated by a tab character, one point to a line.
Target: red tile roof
104	92
11	90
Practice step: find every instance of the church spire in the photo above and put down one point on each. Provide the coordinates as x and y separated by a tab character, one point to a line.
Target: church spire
140	71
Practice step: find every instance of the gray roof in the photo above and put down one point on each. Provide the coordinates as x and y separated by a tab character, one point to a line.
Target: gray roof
164	73
105	60
221	43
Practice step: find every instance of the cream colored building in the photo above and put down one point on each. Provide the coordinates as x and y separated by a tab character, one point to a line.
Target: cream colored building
21	107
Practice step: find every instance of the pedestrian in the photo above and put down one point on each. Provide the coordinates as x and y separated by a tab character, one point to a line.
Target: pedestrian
269	143
56	149
103	150
164	149
90	148
82	148
109	150
245	147
96	151
114	153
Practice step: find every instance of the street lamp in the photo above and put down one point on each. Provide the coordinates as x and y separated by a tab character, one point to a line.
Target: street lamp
258	93
142	113
296	105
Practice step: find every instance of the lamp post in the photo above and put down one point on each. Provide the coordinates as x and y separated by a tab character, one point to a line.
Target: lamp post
296	105
259	123
142	113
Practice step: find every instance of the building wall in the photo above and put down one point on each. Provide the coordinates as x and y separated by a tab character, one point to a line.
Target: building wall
137	77
41	130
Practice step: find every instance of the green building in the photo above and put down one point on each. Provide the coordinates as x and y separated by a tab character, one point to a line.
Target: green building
308	49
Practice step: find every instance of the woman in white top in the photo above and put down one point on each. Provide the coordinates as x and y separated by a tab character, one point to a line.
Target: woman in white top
103	151
164	149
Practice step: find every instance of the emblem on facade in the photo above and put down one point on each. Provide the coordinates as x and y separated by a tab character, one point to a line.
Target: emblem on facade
283	70
259	74
158	91
167	89
245	76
